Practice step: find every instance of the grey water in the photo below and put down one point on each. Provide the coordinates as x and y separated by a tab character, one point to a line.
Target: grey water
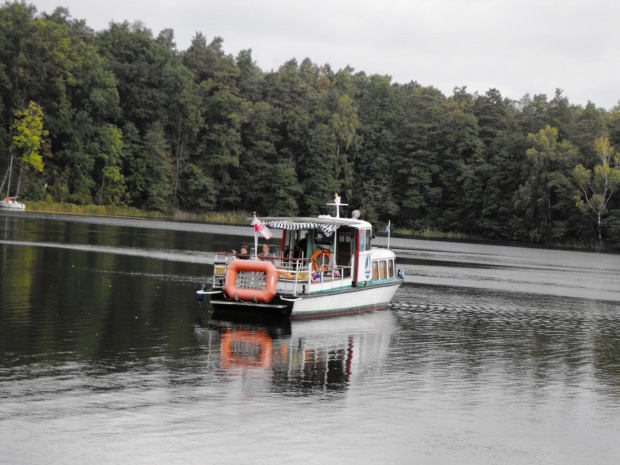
488	354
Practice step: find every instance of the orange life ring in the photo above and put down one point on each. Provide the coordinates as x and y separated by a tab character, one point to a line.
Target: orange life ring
259	295
285	273
316	259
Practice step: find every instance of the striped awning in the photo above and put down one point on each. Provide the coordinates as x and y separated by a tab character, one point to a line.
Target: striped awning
326	228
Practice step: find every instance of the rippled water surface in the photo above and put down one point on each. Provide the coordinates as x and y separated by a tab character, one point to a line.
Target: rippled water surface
489	354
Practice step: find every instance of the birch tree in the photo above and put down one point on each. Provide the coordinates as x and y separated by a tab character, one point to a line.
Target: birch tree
597	187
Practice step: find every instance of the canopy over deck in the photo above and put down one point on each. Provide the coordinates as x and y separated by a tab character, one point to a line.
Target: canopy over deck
327	225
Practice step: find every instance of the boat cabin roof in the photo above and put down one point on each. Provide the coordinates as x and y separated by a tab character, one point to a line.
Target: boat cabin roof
327	224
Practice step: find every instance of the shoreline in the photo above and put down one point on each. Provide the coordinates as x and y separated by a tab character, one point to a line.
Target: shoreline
201	222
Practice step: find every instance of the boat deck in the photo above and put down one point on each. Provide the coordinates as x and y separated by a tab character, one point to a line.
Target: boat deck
295	275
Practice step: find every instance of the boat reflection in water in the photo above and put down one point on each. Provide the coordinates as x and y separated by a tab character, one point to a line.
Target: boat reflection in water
307	356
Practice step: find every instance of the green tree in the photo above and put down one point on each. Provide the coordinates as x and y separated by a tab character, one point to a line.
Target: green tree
533	114
155	88
260	164
28	137
221	144
52	60
547	188
250	80
589	125
460	163
318	163
107	147
302	135
596	188
221	115
378	158
498	168
415	159
159	170
345	124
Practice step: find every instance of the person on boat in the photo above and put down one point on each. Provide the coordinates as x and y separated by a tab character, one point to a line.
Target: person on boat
300	248
316	277
266	252
244	254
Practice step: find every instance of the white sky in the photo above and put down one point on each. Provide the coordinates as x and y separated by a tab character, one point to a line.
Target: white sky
515	46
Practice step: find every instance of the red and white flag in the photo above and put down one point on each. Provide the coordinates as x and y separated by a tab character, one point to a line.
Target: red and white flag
260	227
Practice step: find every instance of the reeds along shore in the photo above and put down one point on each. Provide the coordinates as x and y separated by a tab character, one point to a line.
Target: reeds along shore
234	218
103	210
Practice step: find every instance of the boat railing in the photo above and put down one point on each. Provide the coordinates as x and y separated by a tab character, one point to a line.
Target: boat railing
301	275
295	275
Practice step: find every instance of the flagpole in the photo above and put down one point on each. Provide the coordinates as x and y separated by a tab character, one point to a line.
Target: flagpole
389	230
259	227
255	238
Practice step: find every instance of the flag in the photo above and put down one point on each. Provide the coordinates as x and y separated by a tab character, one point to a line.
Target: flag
261	228
387	229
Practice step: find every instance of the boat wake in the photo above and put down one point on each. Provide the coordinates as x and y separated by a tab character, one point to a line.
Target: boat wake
442	307
186	256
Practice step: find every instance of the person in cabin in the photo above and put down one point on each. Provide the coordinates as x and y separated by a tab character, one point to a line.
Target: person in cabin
300	248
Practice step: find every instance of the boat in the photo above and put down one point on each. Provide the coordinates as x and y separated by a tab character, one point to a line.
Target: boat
10	203
324	266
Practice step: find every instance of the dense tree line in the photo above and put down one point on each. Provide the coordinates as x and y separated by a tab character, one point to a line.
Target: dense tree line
124	118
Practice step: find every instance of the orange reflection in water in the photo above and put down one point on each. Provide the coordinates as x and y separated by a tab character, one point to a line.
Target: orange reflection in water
246	349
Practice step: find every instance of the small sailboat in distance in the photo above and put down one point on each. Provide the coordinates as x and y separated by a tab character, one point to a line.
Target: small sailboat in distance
10	203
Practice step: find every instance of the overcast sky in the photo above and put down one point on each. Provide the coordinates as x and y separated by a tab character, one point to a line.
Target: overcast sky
515	46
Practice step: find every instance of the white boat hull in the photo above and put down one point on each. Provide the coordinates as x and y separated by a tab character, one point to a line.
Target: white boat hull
331	303
337	303
10	204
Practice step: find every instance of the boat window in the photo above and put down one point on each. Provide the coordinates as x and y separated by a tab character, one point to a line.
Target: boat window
382	269
344	247
390	268
345	236
368	239
375	271
362	240
295	244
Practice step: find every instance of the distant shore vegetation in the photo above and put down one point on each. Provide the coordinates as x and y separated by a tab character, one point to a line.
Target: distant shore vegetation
122	121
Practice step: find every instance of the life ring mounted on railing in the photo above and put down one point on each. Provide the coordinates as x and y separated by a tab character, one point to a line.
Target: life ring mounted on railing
320	256
256	295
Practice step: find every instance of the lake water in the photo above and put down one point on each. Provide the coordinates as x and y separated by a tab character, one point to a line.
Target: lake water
489	354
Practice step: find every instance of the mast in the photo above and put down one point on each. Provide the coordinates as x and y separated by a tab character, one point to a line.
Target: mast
337	204
3	181
8	189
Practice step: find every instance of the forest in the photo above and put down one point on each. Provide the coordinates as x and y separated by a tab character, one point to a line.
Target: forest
122	117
